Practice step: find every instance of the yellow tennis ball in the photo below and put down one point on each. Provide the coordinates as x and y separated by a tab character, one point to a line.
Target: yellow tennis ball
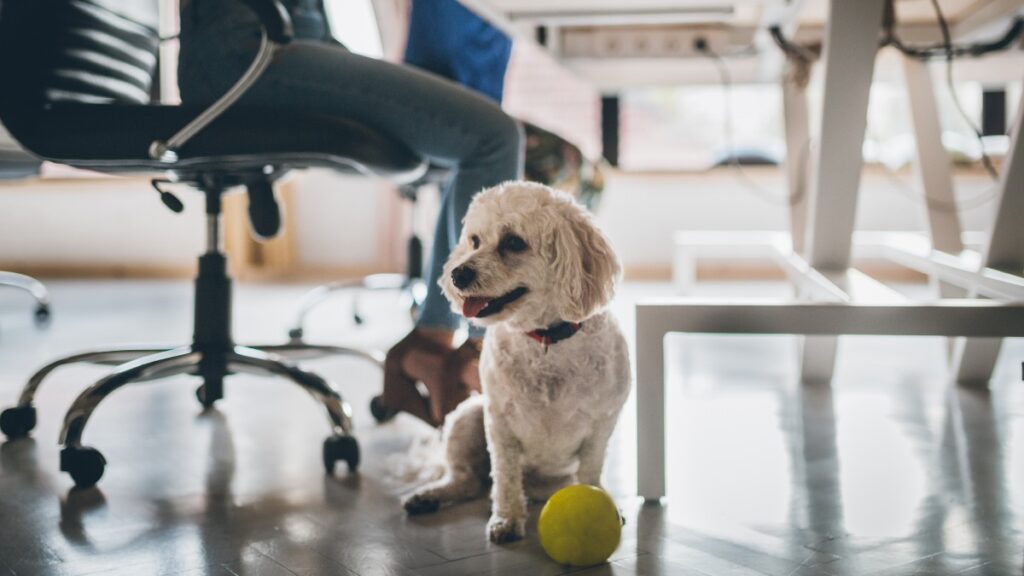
580	526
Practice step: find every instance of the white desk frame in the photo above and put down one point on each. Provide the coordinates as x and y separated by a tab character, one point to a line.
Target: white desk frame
836	298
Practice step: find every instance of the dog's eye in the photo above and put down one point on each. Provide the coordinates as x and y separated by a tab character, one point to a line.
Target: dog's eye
475	241
512	243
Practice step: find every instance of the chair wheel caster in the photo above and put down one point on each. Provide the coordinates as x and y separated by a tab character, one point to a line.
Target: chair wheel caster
201	396
84	464
380	412
337	448
42	315
17	422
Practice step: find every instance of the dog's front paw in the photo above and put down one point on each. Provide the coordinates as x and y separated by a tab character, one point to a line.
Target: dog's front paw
502	530
419	504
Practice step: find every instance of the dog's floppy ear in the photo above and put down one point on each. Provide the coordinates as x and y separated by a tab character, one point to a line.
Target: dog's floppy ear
585	265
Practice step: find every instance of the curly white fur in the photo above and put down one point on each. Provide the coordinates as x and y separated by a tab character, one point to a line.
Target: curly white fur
547	412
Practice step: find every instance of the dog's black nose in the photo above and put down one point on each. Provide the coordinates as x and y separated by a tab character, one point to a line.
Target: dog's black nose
463	277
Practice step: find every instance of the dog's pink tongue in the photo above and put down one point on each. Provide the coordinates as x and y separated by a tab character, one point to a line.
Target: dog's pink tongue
472	306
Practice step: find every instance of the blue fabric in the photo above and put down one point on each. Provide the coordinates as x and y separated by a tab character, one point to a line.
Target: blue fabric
448	39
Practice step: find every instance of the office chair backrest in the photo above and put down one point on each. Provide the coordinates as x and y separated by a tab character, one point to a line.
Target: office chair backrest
85	51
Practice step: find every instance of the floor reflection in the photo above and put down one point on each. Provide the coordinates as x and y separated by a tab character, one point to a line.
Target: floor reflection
980	445
886	471
889	471
208	533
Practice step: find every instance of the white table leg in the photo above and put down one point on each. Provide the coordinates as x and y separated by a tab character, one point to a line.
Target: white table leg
650	405
798	156
851	42
933	166
975	359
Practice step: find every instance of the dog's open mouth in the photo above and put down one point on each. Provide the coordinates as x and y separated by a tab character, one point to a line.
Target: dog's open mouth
482	307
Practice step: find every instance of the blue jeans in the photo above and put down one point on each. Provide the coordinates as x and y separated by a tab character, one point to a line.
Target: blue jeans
444	122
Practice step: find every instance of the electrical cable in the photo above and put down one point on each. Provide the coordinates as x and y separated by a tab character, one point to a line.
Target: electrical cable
946	49
933	203
947	41
889	38
949	51
806	54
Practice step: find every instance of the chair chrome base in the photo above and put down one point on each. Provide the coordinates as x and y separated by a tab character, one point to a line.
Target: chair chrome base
412	288
212	356
410	285
35	288
142	364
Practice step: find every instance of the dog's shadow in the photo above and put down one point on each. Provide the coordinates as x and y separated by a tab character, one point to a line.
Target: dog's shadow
459	532
475	512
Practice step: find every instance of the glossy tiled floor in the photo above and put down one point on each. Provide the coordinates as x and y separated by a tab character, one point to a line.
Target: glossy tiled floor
890	471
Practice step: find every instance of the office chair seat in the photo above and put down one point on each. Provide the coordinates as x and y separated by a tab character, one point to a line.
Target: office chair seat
242	139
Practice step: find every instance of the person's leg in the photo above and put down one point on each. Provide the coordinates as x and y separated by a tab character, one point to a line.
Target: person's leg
442	121
436	311
421	355
484	147
453	376
434	117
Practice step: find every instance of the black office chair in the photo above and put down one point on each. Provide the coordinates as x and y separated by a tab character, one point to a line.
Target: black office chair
83	72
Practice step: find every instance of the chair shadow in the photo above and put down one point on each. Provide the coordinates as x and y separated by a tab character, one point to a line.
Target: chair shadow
215	528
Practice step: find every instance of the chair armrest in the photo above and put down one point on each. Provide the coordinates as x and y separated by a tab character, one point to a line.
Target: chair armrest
275	19
277	29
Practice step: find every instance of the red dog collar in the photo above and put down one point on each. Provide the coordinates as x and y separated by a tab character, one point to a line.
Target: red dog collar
556	333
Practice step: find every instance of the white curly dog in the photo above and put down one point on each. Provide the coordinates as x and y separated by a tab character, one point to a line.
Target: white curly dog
533	268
